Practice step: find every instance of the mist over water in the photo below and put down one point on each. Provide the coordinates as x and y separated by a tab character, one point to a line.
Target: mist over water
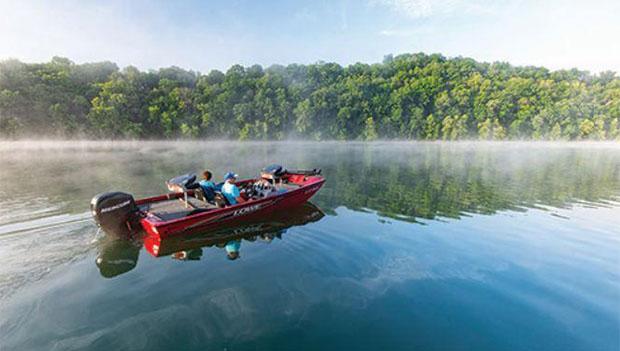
423	246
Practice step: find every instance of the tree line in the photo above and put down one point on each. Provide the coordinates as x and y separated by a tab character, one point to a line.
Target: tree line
411	96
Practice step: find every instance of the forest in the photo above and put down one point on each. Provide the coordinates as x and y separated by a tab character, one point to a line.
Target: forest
409	96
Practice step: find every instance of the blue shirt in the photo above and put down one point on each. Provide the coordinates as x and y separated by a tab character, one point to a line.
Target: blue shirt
206	184
231	192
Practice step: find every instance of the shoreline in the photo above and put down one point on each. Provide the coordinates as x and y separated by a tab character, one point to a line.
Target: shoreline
53	144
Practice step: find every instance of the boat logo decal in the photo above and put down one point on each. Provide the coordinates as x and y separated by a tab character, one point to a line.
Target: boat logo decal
239	212
115	207
248	209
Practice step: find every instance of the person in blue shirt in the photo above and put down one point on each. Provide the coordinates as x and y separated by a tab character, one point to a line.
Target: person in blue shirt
206	181
230	190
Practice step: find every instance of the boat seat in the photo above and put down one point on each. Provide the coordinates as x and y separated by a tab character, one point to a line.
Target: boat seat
205	194
220	200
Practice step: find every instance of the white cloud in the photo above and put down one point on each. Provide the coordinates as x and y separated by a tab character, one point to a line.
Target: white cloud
427	8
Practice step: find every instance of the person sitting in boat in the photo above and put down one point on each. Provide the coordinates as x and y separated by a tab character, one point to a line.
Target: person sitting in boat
205	189
206	181
230	190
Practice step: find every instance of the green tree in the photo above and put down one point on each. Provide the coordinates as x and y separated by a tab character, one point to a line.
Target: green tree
556	132
586	128
410	96
370	133
431	129
614	129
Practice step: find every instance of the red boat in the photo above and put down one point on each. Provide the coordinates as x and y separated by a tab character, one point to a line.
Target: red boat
117	255
186	211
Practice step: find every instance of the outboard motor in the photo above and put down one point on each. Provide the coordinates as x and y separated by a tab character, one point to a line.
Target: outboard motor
274	171
114	212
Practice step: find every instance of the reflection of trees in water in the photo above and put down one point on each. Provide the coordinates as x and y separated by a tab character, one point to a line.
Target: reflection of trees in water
412	179
431	181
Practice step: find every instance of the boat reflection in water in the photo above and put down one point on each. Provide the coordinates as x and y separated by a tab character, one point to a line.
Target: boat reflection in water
117	256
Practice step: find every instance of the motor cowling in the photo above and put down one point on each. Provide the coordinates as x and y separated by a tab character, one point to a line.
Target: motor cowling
114	212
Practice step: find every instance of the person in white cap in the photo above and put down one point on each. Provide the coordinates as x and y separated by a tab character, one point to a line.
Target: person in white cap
230	190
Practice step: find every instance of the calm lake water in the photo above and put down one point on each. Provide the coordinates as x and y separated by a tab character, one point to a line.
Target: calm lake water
408	246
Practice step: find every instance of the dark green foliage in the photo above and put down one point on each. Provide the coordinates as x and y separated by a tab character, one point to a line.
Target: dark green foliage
414	96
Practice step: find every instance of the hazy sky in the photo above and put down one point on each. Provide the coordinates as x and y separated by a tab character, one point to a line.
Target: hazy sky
203	35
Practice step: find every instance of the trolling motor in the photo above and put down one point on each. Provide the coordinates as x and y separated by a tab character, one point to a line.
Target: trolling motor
276	172
307	172
114	212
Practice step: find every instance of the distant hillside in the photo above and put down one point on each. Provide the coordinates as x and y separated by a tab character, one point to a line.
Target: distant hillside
414	96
